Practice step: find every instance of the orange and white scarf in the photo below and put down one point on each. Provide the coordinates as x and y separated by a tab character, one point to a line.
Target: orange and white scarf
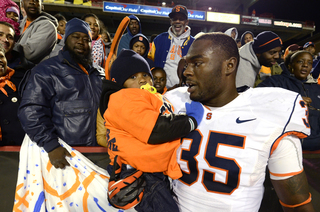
5	80
80	187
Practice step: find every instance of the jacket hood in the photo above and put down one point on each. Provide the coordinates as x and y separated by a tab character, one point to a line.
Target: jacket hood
247	53
145	41
5	4
49	17
228	32
133	17
242	37
183	35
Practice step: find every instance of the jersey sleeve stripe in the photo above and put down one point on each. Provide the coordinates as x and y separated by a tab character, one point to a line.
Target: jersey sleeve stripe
286	174
207	107
293	108
277	141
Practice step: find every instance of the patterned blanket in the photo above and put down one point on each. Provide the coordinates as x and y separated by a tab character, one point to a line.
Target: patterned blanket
82	186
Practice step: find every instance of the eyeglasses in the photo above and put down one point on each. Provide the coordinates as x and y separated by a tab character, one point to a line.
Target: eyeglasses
309	106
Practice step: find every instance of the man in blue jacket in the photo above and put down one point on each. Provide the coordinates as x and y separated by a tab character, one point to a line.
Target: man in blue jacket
133	28
169	47
61	97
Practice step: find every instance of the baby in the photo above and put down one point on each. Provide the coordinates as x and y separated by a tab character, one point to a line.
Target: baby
13	13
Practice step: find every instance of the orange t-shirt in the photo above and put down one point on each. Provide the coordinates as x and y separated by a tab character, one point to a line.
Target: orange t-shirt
130	119
26	26
59	36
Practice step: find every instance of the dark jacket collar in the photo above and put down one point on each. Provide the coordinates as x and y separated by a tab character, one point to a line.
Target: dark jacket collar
108	88
65	57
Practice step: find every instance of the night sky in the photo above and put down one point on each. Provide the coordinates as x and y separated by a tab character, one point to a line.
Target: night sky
299	10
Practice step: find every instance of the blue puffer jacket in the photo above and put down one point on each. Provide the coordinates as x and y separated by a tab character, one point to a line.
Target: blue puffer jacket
60	100
307	88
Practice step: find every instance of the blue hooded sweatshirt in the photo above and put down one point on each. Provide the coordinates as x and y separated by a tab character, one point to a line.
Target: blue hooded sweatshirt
125	39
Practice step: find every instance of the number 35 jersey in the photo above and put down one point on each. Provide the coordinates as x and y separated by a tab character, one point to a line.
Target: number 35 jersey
224	160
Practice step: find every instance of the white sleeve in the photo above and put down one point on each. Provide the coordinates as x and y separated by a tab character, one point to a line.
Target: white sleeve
178	97
286	160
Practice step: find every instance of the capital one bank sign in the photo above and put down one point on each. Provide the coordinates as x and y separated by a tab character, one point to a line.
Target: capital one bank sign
148	10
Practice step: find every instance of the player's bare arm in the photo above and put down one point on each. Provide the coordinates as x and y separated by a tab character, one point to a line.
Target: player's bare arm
294	193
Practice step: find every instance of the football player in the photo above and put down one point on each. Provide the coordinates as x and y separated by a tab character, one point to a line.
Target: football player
224	160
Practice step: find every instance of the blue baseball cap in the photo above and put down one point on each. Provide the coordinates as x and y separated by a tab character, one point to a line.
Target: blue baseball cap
307	44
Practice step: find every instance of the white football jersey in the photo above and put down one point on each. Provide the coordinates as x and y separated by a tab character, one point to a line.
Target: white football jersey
224	160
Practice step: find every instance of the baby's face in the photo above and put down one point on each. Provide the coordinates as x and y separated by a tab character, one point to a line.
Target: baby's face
14	16
137	80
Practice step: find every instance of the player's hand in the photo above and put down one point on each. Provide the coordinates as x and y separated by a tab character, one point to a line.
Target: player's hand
195	109
307	100
58	157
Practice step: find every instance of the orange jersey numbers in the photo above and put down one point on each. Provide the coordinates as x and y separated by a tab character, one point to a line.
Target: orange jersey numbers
166	108
305	120
111	143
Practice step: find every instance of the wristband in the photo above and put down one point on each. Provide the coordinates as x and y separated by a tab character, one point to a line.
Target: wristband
296	205
193	125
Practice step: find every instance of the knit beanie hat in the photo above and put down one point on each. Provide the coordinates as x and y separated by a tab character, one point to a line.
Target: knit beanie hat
15	10
77	25
265	41
141	38
127	64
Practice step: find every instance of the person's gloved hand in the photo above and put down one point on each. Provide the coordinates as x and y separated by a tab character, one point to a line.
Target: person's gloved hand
195	109
58	157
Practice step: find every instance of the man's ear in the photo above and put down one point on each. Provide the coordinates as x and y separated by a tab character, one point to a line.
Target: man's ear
231	65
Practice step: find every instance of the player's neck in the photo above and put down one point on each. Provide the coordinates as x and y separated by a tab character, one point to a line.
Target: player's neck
222	99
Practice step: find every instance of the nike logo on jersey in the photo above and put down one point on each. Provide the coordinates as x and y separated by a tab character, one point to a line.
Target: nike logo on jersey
242	121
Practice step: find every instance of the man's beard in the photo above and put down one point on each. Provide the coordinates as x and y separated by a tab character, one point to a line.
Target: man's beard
33	15
84	60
